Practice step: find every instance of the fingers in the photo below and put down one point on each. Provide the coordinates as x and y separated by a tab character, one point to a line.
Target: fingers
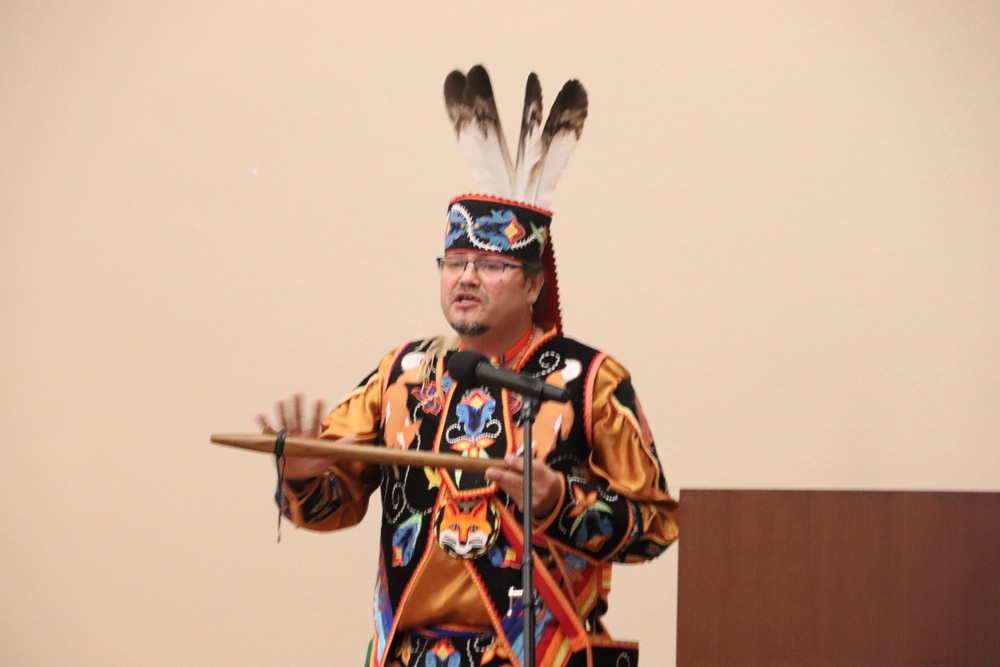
514	462
290	417
264	424
546	484
511	478
511	482
290	413
279	407
318	413
502	477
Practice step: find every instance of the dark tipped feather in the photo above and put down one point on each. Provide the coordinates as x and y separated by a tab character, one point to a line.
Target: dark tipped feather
454	95
559	137
473	112
542	151
529	146
568	112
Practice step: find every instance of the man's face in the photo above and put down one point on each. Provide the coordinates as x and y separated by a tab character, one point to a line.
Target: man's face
479	299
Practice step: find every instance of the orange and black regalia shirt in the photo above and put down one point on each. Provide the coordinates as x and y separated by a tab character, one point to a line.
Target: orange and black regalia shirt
451	542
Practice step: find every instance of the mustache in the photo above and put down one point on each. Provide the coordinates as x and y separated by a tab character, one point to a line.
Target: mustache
464	291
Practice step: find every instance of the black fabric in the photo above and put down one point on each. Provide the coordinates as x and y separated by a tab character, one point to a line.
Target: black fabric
496	225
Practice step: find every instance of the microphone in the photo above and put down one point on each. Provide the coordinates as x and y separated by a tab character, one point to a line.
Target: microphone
472	368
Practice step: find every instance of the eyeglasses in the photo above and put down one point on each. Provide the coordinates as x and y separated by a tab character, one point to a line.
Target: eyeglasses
487	268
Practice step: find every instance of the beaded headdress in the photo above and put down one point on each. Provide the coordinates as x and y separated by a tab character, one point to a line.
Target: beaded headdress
510	215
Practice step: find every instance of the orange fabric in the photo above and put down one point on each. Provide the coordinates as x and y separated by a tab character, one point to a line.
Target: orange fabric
622	454
357	415
442	592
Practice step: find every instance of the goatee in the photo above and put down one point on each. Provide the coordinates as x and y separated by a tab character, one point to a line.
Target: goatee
469	328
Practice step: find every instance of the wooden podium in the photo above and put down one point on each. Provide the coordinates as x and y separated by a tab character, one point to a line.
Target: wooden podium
859	578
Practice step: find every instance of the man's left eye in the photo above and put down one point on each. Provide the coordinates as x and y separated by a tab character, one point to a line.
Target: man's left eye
490	266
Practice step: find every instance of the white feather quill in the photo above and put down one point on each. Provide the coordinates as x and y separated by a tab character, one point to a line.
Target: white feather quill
473	112
559	138
542	151
529	146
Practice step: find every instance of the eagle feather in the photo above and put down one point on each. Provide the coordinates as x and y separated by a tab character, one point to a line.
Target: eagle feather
529	146
559	138
473	112
542	151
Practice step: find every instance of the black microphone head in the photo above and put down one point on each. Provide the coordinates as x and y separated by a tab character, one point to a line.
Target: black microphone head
462	366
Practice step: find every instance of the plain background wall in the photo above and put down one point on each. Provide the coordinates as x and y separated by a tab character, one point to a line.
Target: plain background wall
782	217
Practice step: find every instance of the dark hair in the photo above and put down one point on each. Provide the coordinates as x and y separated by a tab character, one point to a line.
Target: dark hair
532	268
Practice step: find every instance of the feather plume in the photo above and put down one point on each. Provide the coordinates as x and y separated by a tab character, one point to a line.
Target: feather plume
559	138
529	146
473	112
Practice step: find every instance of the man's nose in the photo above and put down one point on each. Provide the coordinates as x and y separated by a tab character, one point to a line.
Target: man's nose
469	274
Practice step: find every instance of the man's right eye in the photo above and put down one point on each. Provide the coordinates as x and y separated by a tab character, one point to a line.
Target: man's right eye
489	266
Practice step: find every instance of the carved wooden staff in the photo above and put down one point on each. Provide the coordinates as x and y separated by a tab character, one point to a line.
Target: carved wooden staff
355	451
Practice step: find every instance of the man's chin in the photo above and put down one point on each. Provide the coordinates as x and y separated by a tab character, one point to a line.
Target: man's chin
469	328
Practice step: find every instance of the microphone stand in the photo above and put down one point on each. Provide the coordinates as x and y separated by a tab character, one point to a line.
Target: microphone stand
528	556
472	367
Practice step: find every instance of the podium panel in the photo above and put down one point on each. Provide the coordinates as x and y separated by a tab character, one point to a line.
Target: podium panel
859	578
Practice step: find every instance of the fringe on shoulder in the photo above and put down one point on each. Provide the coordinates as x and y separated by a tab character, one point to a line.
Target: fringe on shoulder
434	349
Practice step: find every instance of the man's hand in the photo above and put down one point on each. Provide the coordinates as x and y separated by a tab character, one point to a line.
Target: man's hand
546	484
290	418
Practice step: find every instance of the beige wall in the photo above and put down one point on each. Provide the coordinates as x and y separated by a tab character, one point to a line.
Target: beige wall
783	218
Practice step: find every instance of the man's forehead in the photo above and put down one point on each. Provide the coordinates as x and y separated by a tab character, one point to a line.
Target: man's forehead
467	252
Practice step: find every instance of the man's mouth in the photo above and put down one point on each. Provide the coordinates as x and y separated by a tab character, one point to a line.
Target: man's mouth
466	299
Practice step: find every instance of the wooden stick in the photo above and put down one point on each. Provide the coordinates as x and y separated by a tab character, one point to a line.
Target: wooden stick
354	451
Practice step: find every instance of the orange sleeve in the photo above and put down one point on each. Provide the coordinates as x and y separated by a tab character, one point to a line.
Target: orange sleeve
339	498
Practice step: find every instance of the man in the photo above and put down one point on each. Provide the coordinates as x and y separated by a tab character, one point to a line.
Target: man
451	540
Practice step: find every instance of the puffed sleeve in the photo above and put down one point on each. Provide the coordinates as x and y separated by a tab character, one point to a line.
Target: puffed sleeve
618	506
339	497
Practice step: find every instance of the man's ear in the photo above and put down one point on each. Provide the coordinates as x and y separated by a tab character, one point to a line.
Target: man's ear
535	285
